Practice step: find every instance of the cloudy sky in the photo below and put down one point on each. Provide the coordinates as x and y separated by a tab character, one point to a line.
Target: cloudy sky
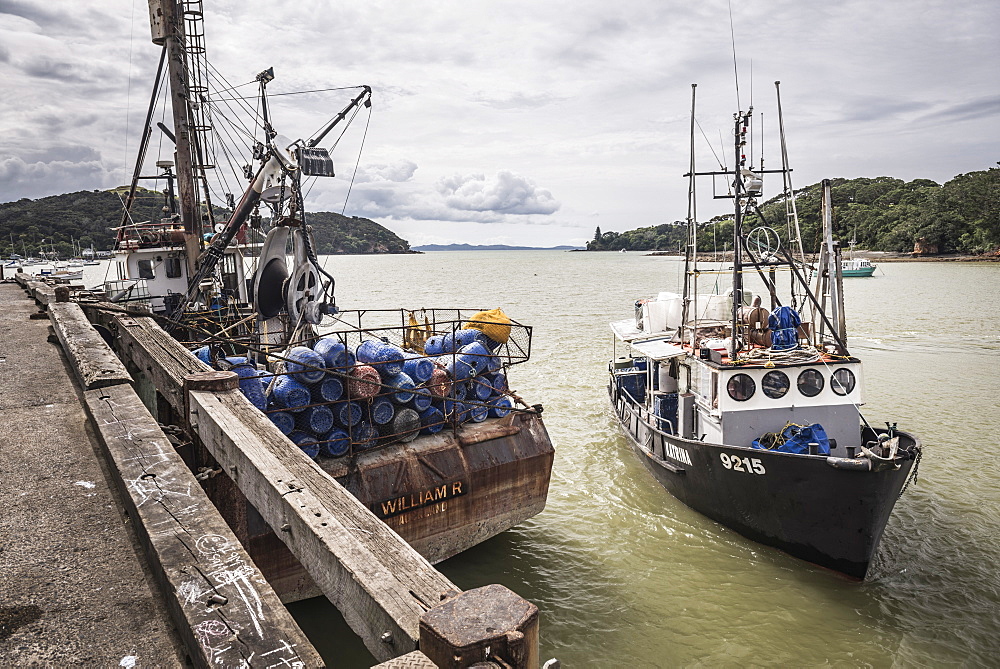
523	122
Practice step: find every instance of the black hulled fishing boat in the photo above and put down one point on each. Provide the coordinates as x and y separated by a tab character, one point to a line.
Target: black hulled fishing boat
750	414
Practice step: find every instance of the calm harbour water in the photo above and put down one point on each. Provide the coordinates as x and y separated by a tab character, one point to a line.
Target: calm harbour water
627	576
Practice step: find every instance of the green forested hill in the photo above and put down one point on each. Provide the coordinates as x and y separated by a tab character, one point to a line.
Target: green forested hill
87	217
883	214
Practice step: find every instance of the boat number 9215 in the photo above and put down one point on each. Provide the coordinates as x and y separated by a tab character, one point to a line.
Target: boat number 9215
745	465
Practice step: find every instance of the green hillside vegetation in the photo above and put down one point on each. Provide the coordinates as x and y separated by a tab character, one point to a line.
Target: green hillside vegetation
86	218
882	214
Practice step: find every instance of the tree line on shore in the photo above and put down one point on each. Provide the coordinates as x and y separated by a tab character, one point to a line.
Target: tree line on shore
67	223
881	214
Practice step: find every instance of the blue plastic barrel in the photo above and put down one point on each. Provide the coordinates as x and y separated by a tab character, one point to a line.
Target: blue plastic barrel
346	414
458	368
334	353
478	356
290	394
335	444
331	390
382	410
306	442
665	408
434	345
481	388
387	359
418	367
421	399
499	381
251	386
404	385
364	436
431	420
306	364
204	354
500	407
316	420
460	391
284	420
453	341
478	412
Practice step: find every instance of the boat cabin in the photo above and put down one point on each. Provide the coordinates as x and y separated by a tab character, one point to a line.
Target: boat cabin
152	270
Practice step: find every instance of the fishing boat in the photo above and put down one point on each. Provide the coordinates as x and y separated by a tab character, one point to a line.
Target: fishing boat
751	415
412	410
855	267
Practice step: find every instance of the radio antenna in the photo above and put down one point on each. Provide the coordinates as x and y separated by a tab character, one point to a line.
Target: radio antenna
736	71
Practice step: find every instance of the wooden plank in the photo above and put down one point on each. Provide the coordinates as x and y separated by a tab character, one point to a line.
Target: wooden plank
42	292
380	583
222	606
146	345
93	361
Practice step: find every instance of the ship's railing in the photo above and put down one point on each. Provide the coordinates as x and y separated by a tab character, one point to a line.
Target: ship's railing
411	329
378	377
132	292
149	235
634	416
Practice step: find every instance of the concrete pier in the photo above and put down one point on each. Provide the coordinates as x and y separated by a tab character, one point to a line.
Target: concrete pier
74	589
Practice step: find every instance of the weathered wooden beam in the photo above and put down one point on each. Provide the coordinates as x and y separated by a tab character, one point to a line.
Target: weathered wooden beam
379	583
41	291
161	357
93	361
222	606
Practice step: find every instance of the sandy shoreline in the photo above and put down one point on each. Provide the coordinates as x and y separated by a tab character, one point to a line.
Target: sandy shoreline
875	256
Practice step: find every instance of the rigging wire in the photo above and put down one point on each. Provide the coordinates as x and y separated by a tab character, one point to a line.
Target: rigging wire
353	176
315	90
709	142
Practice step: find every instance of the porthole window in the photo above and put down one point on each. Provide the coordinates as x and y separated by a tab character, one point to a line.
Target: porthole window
775	384
842	382
741	387
810	383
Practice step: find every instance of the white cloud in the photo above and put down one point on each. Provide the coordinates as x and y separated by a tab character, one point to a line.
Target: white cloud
507	193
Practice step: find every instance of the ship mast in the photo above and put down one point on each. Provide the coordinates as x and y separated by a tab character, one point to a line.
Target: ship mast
168	30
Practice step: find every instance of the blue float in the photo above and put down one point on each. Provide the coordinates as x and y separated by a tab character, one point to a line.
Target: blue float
290	394
431	421
317	420
405	387
382	411
346	414
500	407
334	353
306	442
330	390
306	363
335	444
418	367
283	420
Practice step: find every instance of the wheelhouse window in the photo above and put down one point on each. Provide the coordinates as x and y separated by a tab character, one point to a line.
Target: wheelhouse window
775	384
741	387
810	383
842	382
145	268
173	267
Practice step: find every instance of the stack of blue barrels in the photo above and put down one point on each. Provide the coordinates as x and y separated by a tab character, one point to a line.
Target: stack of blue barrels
331	397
